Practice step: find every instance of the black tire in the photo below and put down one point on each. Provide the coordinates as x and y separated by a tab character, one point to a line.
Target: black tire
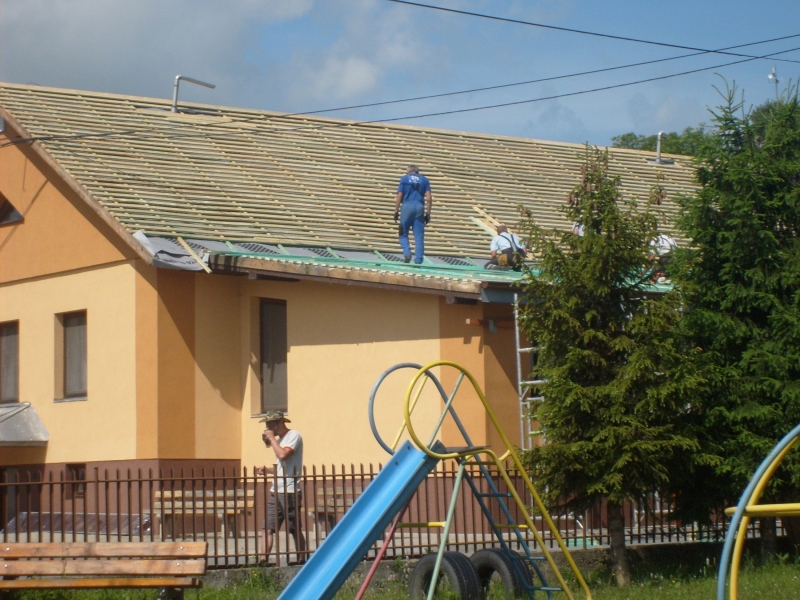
456	567
487	563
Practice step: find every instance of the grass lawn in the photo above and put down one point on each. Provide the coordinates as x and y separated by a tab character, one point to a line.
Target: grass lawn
773	581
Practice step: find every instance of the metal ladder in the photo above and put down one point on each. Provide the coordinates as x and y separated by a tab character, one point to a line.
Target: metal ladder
520	563
525	385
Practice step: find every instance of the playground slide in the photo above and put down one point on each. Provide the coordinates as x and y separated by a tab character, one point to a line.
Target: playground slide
348	542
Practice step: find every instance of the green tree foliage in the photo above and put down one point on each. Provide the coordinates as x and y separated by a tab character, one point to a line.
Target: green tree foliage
616	386
690	142
740	277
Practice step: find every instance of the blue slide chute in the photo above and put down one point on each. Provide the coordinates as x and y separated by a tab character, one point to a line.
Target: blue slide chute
348	542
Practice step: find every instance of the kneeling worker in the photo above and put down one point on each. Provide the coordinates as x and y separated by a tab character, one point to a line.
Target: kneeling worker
507	250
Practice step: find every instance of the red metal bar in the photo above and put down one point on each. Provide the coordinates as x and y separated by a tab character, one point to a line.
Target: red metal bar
379	557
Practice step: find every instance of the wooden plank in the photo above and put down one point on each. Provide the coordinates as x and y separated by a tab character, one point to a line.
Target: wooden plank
101	583
66	567
104	550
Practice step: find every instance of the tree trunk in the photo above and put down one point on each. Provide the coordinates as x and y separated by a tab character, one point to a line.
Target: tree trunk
616	531
769	540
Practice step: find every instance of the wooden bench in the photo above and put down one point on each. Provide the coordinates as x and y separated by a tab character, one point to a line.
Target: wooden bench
83	565
332	501
226	505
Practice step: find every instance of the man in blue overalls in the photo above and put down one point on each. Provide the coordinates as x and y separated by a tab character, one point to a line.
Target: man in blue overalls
413	192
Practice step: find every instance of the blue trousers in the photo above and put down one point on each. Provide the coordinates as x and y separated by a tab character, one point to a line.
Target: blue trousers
412	216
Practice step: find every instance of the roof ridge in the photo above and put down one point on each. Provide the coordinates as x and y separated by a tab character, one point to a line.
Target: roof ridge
167	102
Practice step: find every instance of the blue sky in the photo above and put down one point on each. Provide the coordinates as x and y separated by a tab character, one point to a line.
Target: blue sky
304	55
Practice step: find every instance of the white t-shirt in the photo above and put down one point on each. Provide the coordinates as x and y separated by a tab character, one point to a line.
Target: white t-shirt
288	471
663	244
503	241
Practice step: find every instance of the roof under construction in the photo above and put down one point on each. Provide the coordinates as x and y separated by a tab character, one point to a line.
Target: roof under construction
280	187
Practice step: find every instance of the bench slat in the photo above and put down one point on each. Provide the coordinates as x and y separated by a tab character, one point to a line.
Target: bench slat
203	504
66	567
100	582
204	494
104	550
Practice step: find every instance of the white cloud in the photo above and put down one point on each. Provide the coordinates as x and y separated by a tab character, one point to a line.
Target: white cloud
344	78
133	47
665	113
373	45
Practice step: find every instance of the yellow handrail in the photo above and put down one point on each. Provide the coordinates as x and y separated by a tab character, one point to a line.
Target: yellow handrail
408	407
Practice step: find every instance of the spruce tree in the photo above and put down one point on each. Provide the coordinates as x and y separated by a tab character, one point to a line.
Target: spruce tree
617	389
740	277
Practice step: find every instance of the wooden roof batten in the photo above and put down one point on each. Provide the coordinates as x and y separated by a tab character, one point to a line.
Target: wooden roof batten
243	175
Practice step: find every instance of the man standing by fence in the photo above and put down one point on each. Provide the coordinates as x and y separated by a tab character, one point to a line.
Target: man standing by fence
285	499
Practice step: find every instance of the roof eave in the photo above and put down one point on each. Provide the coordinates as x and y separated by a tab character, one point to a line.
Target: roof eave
347	276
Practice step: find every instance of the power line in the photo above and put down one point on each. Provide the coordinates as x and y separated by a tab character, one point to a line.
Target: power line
160	184
568	94
541	80
443	94
570	30
138	134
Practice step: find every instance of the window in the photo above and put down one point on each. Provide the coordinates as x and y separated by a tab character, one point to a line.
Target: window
75	473
8	214
274	350
71	356
9	362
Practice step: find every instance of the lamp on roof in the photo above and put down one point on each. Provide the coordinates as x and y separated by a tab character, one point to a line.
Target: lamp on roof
774	77
190	80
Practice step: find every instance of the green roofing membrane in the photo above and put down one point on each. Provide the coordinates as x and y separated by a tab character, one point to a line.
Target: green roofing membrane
381	263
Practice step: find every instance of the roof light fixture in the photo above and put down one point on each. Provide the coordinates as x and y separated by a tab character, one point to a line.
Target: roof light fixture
774	77
190	80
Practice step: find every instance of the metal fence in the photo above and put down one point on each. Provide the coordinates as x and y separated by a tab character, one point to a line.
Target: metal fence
227	508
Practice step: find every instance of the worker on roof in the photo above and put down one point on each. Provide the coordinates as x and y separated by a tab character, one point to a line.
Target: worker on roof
412	206
508	251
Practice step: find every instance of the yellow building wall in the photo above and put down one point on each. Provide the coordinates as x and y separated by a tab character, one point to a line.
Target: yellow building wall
103	426
147	360
490	357
63	257
59	232
463	344
176	360
500	373
218	383
341	339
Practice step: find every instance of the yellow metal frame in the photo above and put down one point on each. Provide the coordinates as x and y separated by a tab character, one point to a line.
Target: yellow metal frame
753	509
409	405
